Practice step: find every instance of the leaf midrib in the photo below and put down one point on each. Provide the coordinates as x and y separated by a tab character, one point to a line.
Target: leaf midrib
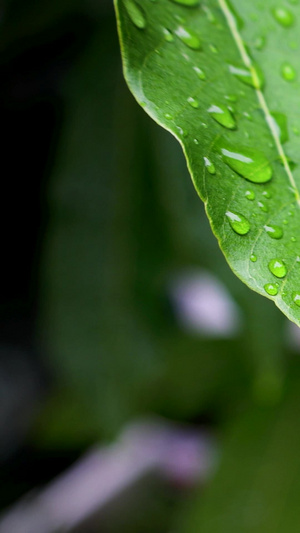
260	96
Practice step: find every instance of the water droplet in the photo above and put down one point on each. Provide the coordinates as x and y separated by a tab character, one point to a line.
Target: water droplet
182	132
285	221
252	77
250	195
222	115
188	37
296	130
200	73
279	124
288	72
209	165
253	258
190	3
248	162
238	222
136	14
271	289
213	49
267	194
283	16
209	14
196	141
231	97
293	239
168	35
278	268
193	102
169	116
260	42
248	115
263	207
296	298
275	232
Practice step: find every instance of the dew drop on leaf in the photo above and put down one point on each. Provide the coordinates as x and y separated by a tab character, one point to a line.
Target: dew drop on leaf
263	207
278	268
279	124
267	194
275	232
200	73
296	298
293	239
260	43
168	116
250	195
253	258
231	97
283	16
213	49
222	115
249	163
238	222
136	14
168	35
288	72
209	165
193	102
253	77
188	37
271	289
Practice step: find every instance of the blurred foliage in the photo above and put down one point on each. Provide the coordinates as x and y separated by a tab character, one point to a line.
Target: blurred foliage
122	220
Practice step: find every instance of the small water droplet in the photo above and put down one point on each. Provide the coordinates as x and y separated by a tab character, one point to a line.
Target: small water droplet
190	3
253	77
248	162
200	73
285	221
253	258
271	289
275	232
296	130
263	207
169	37
182	131
278	268
209	14
260	42
196	141
288	72
193	102
238	222
213	49
283	16
169	116
188	37
231	97
279	124
248	115
293	239
222	115
296	298
135	14
267	194
250	195
209	165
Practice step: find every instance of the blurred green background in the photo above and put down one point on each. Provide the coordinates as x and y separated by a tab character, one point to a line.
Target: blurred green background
99	221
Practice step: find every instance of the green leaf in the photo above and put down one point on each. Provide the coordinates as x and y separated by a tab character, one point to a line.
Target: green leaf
224	80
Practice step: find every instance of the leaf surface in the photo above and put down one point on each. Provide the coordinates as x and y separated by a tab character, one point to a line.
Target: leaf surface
223	79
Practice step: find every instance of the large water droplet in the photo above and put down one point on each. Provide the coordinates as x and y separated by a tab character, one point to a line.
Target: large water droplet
296	298
279	124
136	14
271	289
275	232
188	37
288	72
253	77
190	3
278	268
238	222
253	258
209	165
222	115
249	163
193	102
283	16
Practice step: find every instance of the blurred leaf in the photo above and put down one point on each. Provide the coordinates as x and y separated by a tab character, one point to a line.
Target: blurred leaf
189	68
256	487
